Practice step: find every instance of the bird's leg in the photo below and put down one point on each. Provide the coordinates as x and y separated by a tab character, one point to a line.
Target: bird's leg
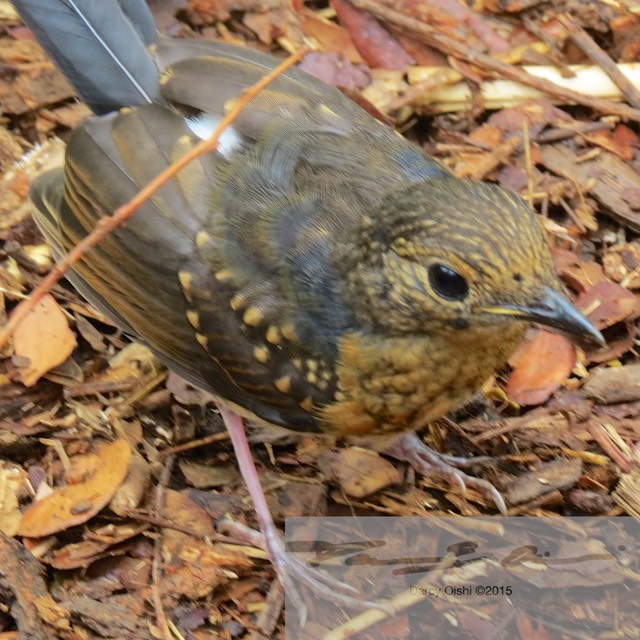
287	567
409	448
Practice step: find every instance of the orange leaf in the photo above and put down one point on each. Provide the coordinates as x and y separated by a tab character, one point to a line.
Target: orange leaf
544	364
75	504
44	338
487	134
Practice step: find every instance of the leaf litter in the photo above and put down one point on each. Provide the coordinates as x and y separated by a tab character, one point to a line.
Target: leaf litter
89	422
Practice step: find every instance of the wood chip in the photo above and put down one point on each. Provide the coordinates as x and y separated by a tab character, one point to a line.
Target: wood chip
615	384
556	475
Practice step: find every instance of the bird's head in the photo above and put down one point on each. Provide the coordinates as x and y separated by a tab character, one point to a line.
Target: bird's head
447	255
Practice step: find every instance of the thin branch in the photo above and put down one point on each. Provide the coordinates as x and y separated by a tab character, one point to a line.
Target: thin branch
591	48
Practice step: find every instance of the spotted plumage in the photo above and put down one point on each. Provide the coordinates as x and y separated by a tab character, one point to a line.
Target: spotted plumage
290	273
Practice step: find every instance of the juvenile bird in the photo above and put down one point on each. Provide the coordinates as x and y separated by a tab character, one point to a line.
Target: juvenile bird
317	272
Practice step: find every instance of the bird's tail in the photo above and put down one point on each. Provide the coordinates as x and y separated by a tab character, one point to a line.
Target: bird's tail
101	45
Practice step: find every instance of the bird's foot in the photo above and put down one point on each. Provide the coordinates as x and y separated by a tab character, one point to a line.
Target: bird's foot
409	448
294	573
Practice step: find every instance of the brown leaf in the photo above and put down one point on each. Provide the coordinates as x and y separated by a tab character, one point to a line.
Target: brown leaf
527	630
578	273
132	491
487	134
295	499
75	504
622	264
333	69
98	545
558	474
615	384
206	476
261	25
361	472
536	113
622	141
545	363
183	511
513	178
44	338
194	566
185	393
331	37
451	16
376	45
202	12
607	303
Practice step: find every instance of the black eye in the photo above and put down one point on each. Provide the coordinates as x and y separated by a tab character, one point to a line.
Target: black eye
448	283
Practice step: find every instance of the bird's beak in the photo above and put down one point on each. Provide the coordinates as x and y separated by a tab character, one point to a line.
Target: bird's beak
555	311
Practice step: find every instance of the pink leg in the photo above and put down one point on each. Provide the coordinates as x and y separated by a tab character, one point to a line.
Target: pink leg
247	466
286	566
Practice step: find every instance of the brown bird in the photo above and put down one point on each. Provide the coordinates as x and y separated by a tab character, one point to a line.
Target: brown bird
318	272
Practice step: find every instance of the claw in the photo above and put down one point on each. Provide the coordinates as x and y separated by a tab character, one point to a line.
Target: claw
412	450
292	573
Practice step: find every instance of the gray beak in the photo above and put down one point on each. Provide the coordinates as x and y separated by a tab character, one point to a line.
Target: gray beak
555	311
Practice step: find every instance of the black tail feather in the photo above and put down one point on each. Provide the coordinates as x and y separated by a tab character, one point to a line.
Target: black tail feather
101	47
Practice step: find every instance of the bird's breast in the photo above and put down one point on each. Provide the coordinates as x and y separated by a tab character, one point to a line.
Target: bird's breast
396	384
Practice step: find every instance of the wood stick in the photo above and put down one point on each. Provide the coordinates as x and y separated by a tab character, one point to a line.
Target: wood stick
591	48
460	50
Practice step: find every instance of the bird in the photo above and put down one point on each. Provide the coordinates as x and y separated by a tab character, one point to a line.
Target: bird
317	272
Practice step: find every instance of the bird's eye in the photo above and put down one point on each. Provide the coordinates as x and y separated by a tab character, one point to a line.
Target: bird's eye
448	283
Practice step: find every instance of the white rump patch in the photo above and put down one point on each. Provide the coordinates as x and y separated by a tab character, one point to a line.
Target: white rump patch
205	124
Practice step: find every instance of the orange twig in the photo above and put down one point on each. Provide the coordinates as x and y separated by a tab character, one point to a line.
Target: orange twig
105	225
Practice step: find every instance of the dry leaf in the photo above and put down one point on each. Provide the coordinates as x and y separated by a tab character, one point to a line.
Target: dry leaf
622	264
615	384
544	364
44	338
333	69
330	37
74	504
133	490
558	475
607	303
361	472
622	141
487	134
194	567
98	544
375	44
579	273
206	476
